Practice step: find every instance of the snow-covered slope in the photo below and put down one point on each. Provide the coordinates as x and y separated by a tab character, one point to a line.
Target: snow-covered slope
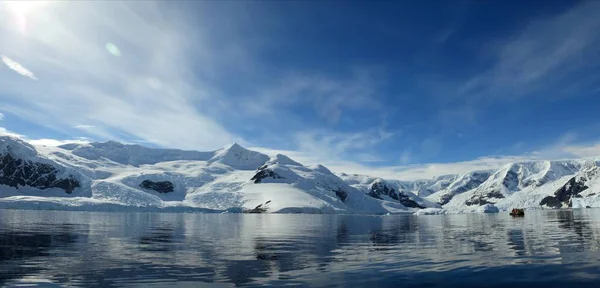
112	176
517	185
459	185
23	171
134	155
389	190
229	179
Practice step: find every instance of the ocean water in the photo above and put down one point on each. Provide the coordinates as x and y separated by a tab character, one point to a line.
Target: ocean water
556	248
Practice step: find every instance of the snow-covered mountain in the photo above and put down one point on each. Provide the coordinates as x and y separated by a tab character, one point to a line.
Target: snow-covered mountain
99	175
113	176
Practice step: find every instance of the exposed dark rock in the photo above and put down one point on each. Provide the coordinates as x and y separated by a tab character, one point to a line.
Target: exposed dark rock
477	200
380	188
570	189
484	198
551	201
159	186
17	173
261	208
511	180
444	199
406	201
474	180
263	173
341	194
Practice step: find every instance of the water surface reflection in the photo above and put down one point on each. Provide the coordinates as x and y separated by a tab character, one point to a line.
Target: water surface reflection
546	248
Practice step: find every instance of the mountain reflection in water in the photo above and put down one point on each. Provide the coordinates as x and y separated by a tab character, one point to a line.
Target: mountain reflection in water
544	249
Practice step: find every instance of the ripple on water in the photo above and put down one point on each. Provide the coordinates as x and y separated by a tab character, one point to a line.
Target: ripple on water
551	248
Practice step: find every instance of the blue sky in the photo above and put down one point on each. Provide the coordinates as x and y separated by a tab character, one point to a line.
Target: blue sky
410	89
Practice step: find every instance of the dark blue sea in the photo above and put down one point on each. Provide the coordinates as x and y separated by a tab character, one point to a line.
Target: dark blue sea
557	248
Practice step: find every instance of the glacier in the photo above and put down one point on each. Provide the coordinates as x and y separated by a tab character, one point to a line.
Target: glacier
112	176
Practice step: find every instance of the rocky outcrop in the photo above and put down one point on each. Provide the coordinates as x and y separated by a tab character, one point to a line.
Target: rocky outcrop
463	184
158	186
511	180
17	173
570	189
263	173
563	195
261	208
379	188
551	201
341	194
407	202
483	199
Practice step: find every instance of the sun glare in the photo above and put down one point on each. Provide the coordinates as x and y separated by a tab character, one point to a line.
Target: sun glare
24	7
21	10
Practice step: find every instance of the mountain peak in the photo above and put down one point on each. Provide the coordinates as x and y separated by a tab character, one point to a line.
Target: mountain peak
235	146
16	146
239	157
283	160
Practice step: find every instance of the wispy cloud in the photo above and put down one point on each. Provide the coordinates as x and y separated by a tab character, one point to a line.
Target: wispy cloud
328	95
543	53
169	84
84	127
43	142
443	35
17	67
404	172
6	132
336	145
583	150
1	116
565	147
149	93
55	142
405	157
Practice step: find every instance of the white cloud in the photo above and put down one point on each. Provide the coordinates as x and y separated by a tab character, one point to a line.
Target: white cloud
5	132
44	142
336	145
17	67
542	54
583	151
405	156
410	172
83	82
563	148
166	86
55	142
1	116
329	96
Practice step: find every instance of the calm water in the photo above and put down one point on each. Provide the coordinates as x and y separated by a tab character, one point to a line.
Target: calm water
543	249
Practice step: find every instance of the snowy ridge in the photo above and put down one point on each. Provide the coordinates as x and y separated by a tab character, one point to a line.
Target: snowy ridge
238	157
388	190
461	184
23	171
229	179
115	176
134	155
